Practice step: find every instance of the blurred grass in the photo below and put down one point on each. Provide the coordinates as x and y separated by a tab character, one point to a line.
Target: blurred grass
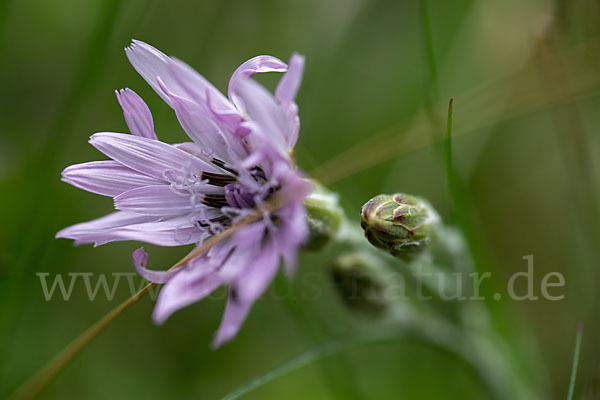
60	63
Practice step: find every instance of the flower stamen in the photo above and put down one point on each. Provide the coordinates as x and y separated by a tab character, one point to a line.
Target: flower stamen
214	200
217	179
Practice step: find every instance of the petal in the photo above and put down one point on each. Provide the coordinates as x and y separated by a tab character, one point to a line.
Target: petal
234	316
257	276
290	82
256	65
200	126
150	157
247	246
170	232
121	226
184	289
107	178
136	113
292	234
291	112
140	259
100	225
262	107
228	120
151	64
286	93
158	200
294	187
194	86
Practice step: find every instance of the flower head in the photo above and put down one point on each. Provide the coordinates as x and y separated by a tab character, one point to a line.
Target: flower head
401	224
180	194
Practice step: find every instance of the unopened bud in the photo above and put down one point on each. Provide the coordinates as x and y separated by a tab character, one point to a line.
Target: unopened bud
362	282
324	216
401	224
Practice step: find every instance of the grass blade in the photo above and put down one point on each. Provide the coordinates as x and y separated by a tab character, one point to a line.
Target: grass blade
575	362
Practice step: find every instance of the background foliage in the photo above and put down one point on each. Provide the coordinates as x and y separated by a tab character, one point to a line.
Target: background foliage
525	79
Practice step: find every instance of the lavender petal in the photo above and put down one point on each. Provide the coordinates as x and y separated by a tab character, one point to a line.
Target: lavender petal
107	178
136	113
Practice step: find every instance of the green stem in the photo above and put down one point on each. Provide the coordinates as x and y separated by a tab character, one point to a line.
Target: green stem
436	334
450	177
311	355
429	40
431	83
337	371
32	388
44	376
575	363
460	202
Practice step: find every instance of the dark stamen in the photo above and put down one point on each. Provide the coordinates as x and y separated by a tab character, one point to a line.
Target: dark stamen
221	164
233	294
258	173
221	219
215	200
217	179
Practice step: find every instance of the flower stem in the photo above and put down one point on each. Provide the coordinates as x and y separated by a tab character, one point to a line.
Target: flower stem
420	331
431	83
484	104
450	176
337	372
306	358
44	376
430	53
31	388
575	363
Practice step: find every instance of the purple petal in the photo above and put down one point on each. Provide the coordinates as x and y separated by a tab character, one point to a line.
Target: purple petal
290	82
229	119
291	112
256	65
184	289
189	147
257	276
239	196
106	223
247	247
200	126
295	187
262	107
150	157
107	178
292	234
121	226
152	65
116	220
286	93
158	200
195	86
136	113
234	316
140	259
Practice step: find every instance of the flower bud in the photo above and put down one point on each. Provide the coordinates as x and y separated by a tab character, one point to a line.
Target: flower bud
401	224
361	281
324	216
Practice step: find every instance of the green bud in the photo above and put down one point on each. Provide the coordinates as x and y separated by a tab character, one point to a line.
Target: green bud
400	224
324	216
361	281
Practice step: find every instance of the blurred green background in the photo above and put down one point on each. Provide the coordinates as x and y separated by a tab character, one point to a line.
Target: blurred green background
526	80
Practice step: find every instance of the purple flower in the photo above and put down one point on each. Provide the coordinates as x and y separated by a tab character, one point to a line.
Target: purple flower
172	195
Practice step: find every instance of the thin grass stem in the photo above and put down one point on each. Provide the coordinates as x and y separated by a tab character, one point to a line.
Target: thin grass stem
490	103
32	387
575	362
